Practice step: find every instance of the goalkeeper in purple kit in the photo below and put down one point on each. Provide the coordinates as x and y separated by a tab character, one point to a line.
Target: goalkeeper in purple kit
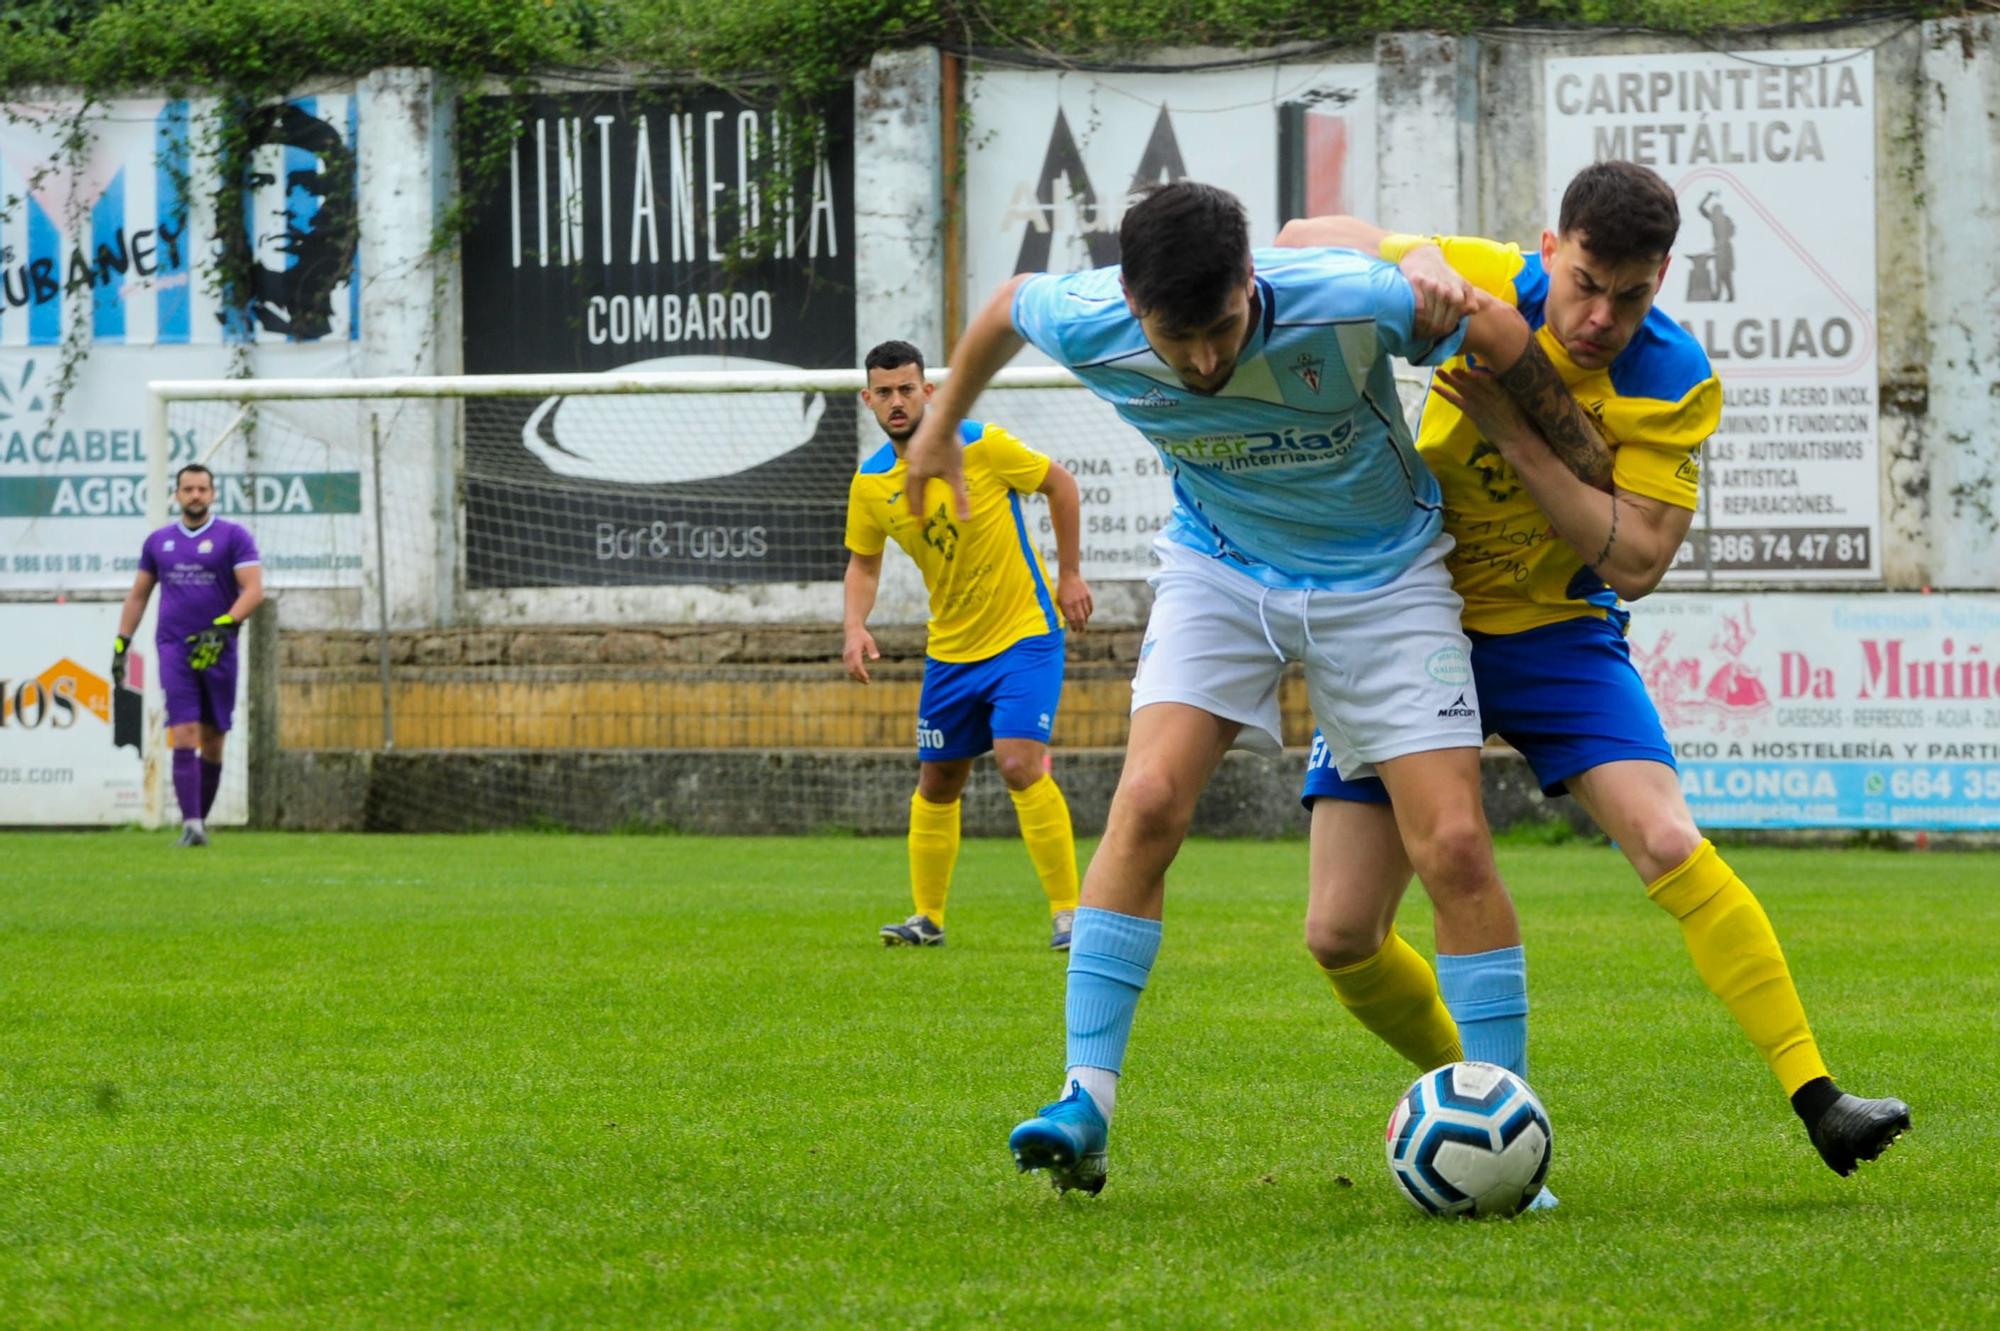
210	579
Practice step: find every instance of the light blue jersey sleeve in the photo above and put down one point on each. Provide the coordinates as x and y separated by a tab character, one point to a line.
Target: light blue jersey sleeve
1375	289
1075	318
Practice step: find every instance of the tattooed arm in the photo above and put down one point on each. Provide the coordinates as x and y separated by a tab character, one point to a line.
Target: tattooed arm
1501	339
1564	425
1629	540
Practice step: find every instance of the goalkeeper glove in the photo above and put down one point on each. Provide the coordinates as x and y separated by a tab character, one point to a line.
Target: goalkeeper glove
120	645
210	643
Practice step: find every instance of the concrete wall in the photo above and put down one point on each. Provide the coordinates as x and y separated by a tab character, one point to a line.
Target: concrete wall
1959	149
737	791
1459	143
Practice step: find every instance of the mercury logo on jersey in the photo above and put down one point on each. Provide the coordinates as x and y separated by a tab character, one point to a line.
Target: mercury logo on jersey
1458	708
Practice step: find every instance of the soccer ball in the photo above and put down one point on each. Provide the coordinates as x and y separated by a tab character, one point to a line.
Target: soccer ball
1469	1139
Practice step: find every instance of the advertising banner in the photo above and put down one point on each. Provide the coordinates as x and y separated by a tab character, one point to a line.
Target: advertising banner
1823	711
109	277
73	496
1772	155
70	741
1054	157
660	231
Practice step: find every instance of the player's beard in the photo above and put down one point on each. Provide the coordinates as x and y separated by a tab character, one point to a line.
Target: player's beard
904	435
192	517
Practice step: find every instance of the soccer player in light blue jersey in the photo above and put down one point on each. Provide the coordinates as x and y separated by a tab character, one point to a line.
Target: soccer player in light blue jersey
1305	528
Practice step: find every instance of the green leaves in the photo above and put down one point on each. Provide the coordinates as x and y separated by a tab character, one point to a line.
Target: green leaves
802	46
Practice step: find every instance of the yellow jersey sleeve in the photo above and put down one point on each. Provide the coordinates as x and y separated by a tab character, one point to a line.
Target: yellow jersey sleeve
864	533
1658	444
1011	461
1487	264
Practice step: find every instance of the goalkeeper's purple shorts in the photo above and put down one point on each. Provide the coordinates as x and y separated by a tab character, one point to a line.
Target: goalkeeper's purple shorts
207	696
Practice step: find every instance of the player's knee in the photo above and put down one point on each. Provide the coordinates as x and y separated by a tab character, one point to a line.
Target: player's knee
1661	842
1454	857
1152	805
1335	941
1019	770
941	783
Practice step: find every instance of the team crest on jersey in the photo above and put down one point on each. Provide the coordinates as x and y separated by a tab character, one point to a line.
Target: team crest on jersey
941	533
1152	397
1496	475
1308	369
205	547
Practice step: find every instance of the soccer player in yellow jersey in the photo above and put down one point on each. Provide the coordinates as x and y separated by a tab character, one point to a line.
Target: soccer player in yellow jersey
993	660
1552	529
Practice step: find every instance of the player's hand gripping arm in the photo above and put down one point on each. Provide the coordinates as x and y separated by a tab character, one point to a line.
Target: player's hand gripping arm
129	616
1496	334
1628	539
1065	508
1501	339
864	579
1443	297
935	452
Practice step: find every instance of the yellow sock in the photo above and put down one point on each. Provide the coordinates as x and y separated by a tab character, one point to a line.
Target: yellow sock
1395	994
933	852
1044	815
1737	955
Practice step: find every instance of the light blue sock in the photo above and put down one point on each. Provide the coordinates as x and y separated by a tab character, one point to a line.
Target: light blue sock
1110	956
1487	993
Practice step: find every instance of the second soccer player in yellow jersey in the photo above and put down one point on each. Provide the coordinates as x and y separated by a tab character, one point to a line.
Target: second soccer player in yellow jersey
993	667
1552	529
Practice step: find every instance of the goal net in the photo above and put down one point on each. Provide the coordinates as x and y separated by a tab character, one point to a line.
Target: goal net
609	601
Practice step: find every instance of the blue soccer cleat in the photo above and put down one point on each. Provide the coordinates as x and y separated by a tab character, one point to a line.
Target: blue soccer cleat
1067	1138
1060	928
917	931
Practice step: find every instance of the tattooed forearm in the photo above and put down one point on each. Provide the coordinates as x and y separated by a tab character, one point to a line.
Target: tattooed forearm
1572	436
1610	537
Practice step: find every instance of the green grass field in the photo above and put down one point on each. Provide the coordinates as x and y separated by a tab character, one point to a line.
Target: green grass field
568	1081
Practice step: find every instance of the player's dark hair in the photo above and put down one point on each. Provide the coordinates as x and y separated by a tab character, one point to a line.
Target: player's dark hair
894	356
1623	210
193	466
1183	248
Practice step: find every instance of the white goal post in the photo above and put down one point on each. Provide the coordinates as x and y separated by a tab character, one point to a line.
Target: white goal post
161	392
474	565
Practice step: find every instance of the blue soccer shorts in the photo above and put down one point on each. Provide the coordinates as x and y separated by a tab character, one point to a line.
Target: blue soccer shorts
1564	694
966	705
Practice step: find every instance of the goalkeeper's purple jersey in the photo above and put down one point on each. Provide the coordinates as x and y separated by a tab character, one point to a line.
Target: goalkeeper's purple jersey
197	574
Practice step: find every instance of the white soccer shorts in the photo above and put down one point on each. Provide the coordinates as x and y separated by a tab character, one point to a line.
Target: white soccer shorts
1388	671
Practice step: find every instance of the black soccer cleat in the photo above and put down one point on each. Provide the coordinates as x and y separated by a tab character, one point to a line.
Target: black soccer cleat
1852	1130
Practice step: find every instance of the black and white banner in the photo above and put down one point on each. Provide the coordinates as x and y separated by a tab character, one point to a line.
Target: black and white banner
659	231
